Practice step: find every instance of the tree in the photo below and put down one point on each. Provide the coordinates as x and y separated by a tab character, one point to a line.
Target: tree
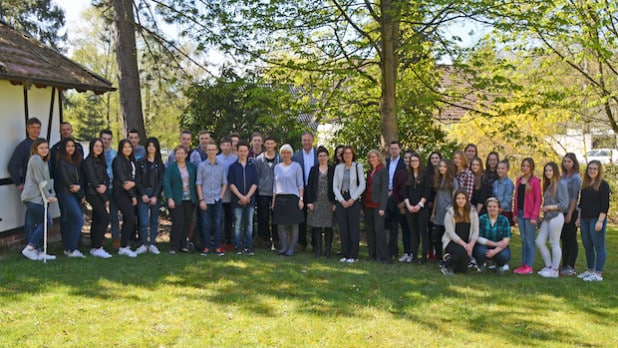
40	18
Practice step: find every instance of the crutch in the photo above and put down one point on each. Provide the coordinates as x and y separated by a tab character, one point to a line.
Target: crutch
42	188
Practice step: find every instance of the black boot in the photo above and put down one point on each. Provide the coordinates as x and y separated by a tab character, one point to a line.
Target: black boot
328	240
317	241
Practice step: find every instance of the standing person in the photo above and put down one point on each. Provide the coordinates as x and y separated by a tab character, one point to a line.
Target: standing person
555	202
337	157
226	158
416	194
180	190
200	154
570	176
374	207
503	190
66	132
593	208
394	164
18	164
491	167
470	152
494	237
444	184
265	165
106	137
36	173
211	184
150	172
321	203
287	204
348	186
124	194
482	187
461	224
256	146
464	175
432	167
234	138
94	168
185	139
526	211
70	195
243	182
138	150
399	184
307	157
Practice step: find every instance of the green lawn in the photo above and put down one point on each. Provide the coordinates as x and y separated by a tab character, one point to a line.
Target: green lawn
268	300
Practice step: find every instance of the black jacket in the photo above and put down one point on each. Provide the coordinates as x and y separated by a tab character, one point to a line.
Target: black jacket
312	186
95	174
149	176
68	174
124	170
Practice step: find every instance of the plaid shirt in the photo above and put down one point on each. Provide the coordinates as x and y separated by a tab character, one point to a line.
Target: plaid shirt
465	179
501	229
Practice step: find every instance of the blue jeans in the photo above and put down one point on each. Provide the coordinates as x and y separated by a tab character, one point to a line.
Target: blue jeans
243	214
594	243
211	225
113	216
74	220
35	213
501	258
527	231
28	227
144	221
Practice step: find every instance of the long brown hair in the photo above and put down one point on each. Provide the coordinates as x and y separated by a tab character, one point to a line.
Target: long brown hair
551	184
459	216
478	177
445	181
588	182
531	163
464	160
575	169
421	170
75	158
35	145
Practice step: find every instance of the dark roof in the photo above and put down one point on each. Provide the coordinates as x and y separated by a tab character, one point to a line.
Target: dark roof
24	60
463	101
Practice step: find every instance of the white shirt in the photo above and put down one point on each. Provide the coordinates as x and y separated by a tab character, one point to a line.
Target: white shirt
392	168
308	162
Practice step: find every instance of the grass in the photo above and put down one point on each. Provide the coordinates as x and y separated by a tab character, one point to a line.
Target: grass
268	300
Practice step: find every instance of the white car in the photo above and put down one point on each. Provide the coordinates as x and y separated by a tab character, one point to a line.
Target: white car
602	155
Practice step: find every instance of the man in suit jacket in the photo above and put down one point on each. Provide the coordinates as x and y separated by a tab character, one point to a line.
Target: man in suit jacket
307	157
394	164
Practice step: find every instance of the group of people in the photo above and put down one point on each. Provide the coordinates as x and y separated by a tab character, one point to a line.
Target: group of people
458	212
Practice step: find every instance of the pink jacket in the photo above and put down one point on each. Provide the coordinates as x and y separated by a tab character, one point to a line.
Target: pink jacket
532	200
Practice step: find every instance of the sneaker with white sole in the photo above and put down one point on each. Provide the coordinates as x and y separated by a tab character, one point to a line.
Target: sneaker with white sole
544	270
585	275
100	252
126	251
446	271
76	253
350	260
550	273
343	259
404	258
30	253
153	250
141	250
43	257
594	277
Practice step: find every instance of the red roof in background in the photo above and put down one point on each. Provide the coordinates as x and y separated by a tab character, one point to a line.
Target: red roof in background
26	60
466	99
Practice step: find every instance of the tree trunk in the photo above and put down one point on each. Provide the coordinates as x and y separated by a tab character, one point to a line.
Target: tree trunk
389	64
128	73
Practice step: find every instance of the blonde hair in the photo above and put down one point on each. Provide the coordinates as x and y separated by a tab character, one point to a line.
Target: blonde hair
379	154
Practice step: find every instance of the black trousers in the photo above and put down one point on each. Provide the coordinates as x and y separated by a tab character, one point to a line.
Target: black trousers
419	234
392	221
436	239
349	229
100	220
228	218
377	241
570	249
458	259
123	202
182	216
267	230
302	227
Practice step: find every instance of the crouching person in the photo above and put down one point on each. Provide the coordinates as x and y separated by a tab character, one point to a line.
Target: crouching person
494	238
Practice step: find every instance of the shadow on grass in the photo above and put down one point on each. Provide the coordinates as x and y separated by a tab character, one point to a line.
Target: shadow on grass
513	306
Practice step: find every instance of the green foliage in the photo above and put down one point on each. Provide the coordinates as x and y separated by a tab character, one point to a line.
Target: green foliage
87	114
42	19
231	103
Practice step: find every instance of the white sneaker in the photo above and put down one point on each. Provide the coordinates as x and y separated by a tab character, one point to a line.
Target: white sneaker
351	260
153	250
543	271
100	252
32	254
76	253
141	250
550	273
585	275
343	259
126	252
43	257
506	267
594	277
404	258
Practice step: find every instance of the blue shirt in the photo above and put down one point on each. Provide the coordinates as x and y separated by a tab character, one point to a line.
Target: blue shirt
503	191
213	179
110	154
